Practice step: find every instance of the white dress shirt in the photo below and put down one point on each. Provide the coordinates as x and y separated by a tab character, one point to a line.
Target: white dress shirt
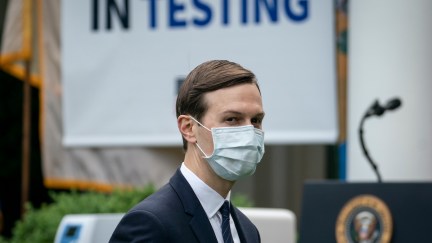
211	201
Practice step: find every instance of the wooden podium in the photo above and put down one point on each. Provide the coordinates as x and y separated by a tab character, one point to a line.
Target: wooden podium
334	211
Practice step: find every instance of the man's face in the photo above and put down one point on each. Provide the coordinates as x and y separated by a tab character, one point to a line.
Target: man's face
238	105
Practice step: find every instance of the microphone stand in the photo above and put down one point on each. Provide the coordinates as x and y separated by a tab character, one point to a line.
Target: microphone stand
365	151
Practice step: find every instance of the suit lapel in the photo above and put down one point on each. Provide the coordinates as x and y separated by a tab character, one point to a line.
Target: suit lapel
202	228
199	222
240	229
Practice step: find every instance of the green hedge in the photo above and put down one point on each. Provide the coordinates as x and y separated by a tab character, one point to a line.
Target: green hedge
40	225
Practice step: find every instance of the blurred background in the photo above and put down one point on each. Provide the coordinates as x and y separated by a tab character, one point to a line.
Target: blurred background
88	90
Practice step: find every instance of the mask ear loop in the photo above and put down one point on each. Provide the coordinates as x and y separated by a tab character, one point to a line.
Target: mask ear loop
191	117
205	156
196	143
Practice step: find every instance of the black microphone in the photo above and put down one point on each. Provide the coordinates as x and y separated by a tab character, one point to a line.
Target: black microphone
393	104
376	110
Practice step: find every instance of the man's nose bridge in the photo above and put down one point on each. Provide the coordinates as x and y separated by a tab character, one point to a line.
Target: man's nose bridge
248	122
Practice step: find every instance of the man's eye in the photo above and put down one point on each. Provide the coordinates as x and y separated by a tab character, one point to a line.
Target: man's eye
256	120
232	119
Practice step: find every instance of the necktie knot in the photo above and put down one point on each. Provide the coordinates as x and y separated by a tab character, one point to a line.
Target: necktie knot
226	230
225	209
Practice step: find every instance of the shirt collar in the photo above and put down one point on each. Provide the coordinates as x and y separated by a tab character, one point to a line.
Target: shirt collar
210	200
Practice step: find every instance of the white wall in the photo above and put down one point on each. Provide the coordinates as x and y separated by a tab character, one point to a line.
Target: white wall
390	54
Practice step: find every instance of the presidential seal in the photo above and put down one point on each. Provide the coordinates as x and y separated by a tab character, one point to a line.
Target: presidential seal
364	219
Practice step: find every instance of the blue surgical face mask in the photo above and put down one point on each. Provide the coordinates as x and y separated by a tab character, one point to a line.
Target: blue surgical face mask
236	152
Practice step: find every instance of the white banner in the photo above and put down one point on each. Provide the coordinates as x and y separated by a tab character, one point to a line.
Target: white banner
122	61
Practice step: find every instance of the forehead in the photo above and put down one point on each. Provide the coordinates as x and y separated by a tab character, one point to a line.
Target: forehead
243	98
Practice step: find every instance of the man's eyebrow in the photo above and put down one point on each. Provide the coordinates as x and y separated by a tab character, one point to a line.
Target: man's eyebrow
232	112
260	114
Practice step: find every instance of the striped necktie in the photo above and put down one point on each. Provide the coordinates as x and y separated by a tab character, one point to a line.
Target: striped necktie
226	230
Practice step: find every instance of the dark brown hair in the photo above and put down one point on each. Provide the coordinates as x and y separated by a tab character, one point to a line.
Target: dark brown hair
206	77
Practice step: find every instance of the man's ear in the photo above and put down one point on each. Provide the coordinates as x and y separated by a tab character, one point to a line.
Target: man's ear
185	125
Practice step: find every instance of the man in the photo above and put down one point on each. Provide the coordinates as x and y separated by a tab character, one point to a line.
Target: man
219	115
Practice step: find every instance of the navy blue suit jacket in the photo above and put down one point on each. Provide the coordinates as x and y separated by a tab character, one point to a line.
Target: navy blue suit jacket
174	214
